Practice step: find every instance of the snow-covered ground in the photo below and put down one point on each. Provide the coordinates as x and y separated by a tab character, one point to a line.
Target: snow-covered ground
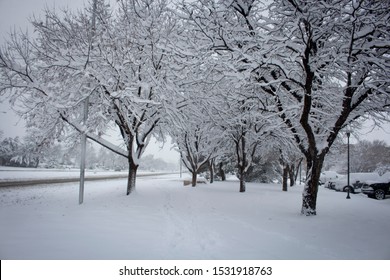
165	220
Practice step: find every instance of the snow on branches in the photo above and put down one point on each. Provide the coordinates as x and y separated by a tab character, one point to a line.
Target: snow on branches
209	72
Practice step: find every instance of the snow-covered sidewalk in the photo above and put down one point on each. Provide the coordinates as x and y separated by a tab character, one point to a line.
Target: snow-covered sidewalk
165	220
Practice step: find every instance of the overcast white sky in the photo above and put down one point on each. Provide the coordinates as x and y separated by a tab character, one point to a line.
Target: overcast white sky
15	14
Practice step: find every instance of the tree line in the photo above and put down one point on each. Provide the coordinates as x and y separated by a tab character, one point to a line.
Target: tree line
17	152
227	80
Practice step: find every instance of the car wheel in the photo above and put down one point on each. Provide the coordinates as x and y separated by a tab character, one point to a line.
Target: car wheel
351	190
379	194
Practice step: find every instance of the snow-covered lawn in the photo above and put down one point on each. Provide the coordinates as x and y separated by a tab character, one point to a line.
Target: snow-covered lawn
165	220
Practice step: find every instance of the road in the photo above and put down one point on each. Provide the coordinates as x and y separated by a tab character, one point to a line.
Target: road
42	181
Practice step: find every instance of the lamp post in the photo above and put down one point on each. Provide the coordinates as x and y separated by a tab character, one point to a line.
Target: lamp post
348	135
85	117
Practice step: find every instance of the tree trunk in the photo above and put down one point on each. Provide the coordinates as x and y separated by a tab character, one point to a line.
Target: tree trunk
131	179
222	172
241	159
211	169
194	177
285	177
242	179
36	163
242	185
298	171
291	172
309	196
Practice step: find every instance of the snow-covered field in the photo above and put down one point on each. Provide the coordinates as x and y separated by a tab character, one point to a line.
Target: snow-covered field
165	220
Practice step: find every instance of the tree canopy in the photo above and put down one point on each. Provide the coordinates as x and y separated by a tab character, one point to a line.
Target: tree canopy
243	73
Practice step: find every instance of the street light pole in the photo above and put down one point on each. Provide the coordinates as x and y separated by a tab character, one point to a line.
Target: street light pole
348	186
83	152
181	165
85	117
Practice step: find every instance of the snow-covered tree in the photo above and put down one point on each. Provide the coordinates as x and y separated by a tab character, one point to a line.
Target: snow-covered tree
195	136
325	64
113	60
327	67
242	125
243	117
8	149
366	156
23	153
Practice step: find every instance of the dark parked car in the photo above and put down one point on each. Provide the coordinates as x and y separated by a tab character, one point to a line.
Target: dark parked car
377	190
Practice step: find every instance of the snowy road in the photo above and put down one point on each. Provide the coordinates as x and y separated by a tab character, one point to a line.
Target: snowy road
163	219
17	177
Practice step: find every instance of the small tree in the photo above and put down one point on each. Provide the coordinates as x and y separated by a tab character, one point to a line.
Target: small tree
196	138
9	148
